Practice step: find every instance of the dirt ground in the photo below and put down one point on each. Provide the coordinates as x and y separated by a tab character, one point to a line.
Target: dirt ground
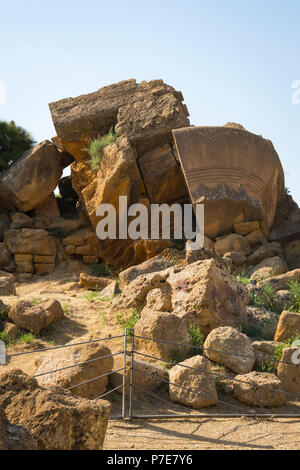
86	316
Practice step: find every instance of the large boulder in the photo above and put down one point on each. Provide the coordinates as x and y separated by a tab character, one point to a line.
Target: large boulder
259	389
229	347
35	317
288	326
195	388
281	281
72	376
267	268
288	370
142	111
14	437
30	241
32	179
154	265
223	169
269	250
141	163
232	242
145	375
291	253
164	330
56	419
210	291
7	286
261	323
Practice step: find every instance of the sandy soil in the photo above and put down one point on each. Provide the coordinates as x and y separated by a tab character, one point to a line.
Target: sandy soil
87	317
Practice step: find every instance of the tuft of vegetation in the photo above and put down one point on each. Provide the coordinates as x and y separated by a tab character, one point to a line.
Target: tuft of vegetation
14	142
294	288
198	339
131	321
96	146
4	336
286	344
266	366
66	307
36	301
91	296
244	277
263	299
26	338
100	270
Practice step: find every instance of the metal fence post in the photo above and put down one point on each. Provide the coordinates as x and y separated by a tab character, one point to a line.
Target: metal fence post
124	376
2	353
131	372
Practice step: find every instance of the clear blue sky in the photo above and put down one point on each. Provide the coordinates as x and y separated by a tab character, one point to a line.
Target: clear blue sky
234	60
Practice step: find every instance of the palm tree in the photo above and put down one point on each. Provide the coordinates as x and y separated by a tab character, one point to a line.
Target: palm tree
14	141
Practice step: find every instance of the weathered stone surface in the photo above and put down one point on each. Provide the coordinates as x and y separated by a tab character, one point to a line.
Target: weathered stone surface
288	227
210	291
20	220
268	267
145	375
288	326
44	259
235	187
265	251
42	269
264	350
93	282
236	257
56	419
198	381
31	180
162	175
256	238
6	286
289	372
161	326
37	242
141	111
12	330
4	225
281	281
135	294
244	228
232	242
5	258
283	300
229	347
35	318
261	322
23	257
48	208
74	376
259	389
291	253
159	300
154	265
13	437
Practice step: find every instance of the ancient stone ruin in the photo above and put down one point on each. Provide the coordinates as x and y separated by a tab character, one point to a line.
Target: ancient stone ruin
157	157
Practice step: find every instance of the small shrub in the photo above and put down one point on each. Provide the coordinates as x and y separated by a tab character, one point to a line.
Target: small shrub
198	338
5	338
244	277
26	338
287	343
294	288
36	301
91	296
100	270
131	321
96	146
264	299
266	366
66	307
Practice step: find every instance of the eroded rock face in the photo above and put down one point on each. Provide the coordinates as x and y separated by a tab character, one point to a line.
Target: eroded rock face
268	267
261	321
81	373
199	381
229	347
162	326
141	111
32	179
56	419
216	297
288	326
259	389
35	317
13	437
288	371
154	265
236	187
